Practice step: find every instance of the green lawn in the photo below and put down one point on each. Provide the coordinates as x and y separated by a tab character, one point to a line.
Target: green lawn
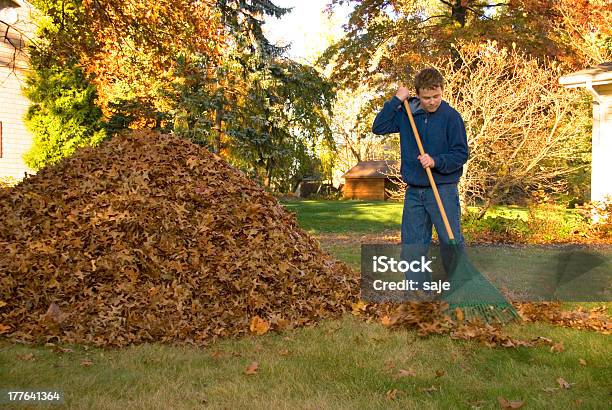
339	364
343	216
343	364
321	216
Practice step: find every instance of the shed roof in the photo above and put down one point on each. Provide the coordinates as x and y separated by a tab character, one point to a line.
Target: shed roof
601	74
371	169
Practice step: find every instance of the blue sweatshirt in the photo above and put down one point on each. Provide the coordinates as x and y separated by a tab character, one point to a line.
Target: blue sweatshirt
442	134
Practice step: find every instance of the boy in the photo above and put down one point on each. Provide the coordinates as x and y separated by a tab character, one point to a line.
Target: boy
443	135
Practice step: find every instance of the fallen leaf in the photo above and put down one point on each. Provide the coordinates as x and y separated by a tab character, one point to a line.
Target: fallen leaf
386	321
406	373
87	363
252	368
509	404
543	340
563	383
428	389
389	365
54	313
358	307
557	347
392	394
2	303
440	373
26	357
582	362
283	352
59	349
459	314
4	328
259	326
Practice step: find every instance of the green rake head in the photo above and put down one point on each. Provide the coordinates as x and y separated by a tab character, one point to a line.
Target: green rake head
471	292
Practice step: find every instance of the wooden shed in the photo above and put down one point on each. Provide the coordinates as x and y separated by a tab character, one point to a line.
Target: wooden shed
370	180
598	80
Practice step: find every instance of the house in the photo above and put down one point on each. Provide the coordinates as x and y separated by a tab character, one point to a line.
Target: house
370	180
16	27
598	81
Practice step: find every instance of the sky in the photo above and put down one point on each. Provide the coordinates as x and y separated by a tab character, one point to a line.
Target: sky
306	27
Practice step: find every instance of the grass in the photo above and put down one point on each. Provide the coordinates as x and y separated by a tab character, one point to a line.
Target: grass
342	216
339	364
321	216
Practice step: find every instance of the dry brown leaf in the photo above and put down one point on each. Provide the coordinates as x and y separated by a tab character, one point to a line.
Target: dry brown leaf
28	357
386	321
2	303
53	312
557	347
563	383
459	314
4	328
259	326
428	389
389	365
582	362
406	373
440	373
252	368
392	394
59	349
87	362
509	404
358	307
283	352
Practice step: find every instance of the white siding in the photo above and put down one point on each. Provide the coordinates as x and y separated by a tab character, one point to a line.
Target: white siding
16	140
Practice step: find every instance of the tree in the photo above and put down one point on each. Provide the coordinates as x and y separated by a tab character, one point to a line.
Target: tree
387	39
354	112
202	69
283	114
63	115
526	132
260	111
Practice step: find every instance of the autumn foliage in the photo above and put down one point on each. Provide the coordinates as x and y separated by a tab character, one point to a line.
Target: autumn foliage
149	237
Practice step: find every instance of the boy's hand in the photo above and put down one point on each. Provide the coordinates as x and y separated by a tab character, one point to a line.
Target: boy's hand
402	93
426	161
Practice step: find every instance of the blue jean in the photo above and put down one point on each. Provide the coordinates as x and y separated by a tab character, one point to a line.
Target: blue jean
420	213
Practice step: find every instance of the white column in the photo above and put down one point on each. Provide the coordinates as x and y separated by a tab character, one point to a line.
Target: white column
601	177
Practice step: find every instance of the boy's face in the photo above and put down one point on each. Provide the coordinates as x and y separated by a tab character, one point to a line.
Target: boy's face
430	98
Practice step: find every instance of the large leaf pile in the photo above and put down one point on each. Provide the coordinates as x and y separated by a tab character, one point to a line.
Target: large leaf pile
149	237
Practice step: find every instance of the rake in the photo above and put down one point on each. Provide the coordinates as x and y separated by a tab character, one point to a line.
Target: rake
471	295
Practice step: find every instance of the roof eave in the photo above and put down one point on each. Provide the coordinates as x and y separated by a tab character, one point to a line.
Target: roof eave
582	80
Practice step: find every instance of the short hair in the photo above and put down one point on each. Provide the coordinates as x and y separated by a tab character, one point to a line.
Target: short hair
428	78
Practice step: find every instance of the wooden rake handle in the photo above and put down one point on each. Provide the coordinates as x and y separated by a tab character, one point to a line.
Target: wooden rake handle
429	175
